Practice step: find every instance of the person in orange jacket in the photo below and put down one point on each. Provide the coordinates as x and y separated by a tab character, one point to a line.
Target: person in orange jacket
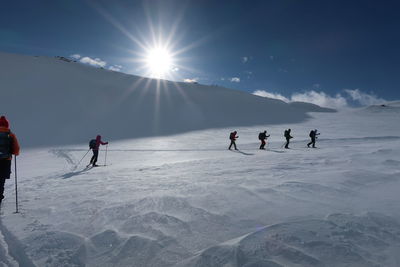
8	146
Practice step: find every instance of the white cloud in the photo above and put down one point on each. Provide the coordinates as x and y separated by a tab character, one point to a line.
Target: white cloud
175	69
193	80
115	67
235	79
245	59
363	98
271	58
321	99
324	100
264	93
76	56
93	62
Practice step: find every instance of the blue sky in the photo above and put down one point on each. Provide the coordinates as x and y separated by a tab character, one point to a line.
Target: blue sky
282	47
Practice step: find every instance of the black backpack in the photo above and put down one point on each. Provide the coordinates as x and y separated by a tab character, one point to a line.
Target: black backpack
5	145
92	144
260	136
311	134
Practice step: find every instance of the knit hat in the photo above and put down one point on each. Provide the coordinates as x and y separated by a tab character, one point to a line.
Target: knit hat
4	122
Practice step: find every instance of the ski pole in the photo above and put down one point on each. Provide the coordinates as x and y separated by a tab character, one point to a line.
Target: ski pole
16	184
105	156
82	158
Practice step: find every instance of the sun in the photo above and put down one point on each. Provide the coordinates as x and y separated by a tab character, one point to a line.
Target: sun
159	62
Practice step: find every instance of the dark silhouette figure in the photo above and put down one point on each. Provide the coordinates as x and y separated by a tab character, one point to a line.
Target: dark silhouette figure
8	146
262	137
233	137
95	150
288	137
313	136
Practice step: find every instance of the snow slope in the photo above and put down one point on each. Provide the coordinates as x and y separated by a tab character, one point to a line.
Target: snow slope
337	240
185	200
53	102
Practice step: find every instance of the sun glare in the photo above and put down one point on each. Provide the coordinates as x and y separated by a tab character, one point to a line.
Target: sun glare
159	62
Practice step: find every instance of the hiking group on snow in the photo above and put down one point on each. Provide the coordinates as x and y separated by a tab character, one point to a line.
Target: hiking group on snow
9	146
263	137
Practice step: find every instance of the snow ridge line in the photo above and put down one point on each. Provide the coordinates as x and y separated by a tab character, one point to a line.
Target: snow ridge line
12	252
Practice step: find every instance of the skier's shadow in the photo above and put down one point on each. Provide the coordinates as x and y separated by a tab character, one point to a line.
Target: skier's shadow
276	151
72	174
243	153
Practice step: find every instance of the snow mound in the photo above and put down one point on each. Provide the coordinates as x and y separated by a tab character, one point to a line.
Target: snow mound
172	217
70	103
54	248
109	249
308	107
338	240
392	107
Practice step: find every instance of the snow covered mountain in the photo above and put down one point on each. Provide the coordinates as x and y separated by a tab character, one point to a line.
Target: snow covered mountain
51	101
184	199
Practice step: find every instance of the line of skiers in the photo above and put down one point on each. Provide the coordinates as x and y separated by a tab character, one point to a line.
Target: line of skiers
9	146
263	137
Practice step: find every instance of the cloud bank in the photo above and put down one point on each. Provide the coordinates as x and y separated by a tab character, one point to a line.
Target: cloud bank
347	99
363	98
96	62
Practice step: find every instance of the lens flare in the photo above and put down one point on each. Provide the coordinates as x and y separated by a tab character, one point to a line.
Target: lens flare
159	62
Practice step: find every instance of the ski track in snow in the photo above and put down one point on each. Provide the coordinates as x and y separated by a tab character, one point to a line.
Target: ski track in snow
186	200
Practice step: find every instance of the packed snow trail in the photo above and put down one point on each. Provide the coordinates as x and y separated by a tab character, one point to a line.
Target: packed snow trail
185	200
11	250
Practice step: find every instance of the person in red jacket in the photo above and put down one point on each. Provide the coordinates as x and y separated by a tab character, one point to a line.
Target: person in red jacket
95	150
8	146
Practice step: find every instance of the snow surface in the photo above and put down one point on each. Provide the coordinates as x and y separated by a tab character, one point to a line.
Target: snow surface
51	101
174	195
185	200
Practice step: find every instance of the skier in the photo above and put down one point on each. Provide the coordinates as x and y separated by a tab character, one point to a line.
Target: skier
233	137
8	146
262	137
288	137
94	145
313	136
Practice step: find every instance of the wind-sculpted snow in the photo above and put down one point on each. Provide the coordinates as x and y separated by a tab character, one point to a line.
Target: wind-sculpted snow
338	240
53	248
109	249
54	102
185	200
